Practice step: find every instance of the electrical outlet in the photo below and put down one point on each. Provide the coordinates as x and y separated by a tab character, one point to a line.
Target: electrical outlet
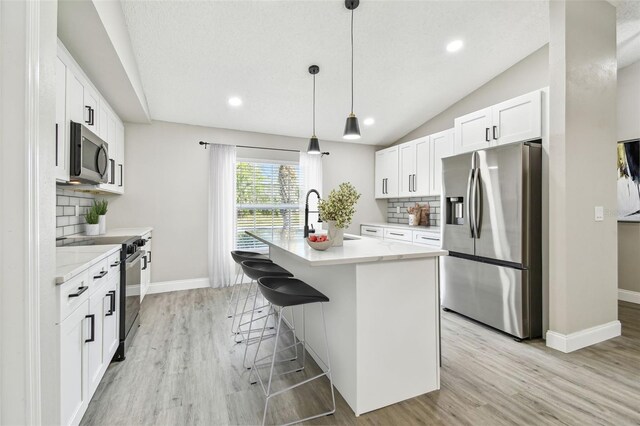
599	213
77	210
398	209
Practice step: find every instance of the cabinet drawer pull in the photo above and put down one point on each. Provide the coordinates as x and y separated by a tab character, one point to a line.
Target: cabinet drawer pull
395	233
371	230
92	317
116	263
80	291
112	302
100	275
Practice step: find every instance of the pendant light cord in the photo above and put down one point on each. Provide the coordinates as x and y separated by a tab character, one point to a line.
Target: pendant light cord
314	105
351	61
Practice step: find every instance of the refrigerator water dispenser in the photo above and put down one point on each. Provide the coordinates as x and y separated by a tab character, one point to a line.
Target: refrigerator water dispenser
455	211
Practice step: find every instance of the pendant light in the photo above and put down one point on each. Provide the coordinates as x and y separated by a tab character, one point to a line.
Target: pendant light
314	145
351	127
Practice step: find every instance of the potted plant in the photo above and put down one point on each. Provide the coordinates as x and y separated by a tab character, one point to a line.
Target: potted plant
101	207
338	210
92	218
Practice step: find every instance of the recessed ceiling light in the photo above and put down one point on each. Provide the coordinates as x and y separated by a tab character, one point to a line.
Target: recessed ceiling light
369	121
454	46
235	101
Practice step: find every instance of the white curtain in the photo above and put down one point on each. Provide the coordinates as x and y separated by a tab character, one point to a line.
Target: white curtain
311	172
222	214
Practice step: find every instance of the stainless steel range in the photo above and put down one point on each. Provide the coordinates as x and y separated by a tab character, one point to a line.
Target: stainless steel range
132	262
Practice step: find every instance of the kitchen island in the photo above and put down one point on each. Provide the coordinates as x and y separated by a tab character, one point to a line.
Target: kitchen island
383	318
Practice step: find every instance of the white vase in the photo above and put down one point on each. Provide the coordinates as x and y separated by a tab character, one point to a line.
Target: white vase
336	235
102	224
413	220
92	229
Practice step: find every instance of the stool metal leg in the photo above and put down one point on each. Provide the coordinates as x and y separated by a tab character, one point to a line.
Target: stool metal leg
233	292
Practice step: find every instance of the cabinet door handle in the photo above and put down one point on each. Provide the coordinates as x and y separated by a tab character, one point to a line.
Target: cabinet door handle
92	317
495	131
56	144
92	116
415	186
100	275
80	291
121	167
88	121
112	171
112	302
145	263
486	134
149	256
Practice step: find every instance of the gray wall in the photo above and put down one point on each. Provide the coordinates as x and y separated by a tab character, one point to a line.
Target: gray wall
530	74
167	181
629	128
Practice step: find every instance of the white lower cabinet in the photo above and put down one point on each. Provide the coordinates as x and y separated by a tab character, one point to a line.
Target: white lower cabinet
74	394
145	274
89	337
420	237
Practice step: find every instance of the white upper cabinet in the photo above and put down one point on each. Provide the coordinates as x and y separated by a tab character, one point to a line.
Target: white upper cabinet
407	170
62	152
386	173
473	131
515	120
77	100
441	146
421	178
518	119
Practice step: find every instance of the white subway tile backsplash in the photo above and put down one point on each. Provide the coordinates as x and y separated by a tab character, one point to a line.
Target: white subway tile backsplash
67	223
403	203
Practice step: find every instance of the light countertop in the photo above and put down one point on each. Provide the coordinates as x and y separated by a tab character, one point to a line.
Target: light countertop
434	229
119	232
356	250
70	261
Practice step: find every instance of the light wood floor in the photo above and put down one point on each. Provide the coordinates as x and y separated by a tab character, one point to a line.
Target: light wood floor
183	369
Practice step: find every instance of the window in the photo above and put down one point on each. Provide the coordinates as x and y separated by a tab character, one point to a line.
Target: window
267	200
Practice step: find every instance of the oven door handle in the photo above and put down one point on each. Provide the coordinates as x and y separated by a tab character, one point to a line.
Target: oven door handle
134	259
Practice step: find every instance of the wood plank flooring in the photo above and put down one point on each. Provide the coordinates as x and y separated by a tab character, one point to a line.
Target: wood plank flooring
183	369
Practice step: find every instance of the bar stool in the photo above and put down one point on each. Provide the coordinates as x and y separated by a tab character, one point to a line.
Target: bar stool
240	256
286	293
256	270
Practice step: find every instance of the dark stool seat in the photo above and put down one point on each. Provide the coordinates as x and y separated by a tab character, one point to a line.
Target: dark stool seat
240	256
258	269
283	292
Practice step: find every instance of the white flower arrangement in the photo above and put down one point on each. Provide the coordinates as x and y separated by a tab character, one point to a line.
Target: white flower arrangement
340	205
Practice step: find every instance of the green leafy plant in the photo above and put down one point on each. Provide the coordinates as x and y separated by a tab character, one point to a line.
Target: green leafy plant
92	216
101	207
340	205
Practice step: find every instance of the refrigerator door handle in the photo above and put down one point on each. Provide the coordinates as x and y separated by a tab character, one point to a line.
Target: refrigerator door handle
477	203
470	205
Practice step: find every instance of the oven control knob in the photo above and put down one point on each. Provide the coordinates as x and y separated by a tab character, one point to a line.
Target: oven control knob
131	249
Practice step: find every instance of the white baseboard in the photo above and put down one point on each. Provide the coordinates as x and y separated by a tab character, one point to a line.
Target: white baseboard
165	286
580	339
629	296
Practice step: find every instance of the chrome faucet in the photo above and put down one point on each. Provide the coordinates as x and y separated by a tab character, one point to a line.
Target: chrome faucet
306	212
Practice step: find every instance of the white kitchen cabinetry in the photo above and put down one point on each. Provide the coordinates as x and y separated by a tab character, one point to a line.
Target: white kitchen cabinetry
145	276
441	146
89	333
414	168
386	173
77	100
472	131
73	366
420	236
62	152
515	120
518	119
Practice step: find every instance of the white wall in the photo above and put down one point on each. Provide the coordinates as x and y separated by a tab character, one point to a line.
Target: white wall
629	128
529	74
166	187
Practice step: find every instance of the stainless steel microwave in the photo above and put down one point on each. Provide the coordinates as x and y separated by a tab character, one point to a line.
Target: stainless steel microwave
89	156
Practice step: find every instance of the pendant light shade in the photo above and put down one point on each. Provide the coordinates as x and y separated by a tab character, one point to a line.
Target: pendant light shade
351	127
314	144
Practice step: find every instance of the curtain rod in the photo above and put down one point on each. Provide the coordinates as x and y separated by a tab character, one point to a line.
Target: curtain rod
203	143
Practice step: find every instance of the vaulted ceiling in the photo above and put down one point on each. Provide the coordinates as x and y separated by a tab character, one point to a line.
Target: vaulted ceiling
193	56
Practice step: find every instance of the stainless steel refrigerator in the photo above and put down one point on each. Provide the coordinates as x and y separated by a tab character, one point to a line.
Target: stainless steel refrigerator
492	228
